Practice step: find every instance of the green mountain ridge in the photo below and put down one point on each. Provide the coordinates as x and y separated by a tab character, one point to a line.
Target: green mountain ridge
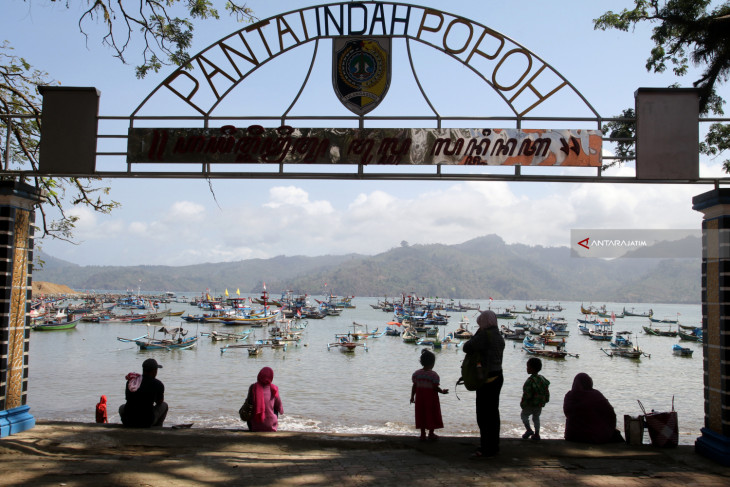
477	269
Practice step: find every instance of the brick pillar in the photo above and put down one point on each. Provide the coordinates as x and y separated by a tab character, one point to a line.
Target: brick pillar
17	203
715	440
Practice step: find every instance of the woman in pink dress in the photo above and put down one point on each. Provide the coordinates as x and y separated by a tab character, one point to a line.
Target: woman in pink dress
266	402
425	393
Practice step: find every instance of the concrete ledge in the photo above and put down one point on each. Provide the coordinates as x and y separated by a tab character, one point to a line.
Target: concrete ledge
91	454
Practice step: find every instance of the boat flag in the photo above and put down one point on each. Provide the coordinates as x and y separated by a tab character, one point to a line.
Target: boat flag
613	316
238	291
264	286
299	312
226	292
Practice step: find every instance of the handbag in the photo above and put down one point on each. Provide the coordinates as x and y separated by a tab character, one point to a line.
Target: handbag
246	411
663	427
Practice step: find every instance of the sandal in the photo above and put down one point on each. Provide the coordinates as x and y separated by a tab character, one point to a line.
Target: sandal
433	437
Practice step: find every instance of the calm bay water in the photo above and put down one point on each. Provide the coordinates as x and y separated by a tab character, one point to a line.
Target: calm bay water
365	392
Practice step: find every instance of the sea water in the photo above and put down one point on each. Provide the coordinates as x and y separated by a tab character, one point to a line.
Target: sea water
367	391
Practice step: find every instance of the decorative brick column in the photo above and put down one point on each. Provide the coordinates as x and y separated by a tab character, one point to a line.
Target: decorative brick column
17	214
715	440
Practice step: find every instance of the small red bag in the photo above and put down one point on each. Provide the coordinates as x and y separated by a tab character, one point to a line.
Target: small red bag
663	427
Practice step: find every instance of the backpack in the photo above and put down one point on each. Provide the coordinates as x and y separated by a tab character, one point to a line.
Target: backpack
472	376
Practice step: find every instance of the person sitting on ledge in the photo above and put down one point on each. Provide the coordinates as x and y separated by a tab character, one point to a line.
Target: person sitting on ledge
589	417
145	395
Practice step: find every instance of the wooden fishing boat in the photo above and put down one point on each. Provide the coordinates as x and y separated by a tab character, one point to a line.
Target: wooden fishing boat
218	336
166	344
602	331
530	346
462	332
178	340
694	336
647	314
611	315
56	325
154	317
409	336
682	351
254	349
549	353
344	343
176	313
509	334
657	332
362	335
671	321
633	352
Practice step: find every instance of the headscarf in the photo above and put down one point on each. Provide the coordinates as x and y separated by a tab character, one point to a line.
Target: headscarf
582	382
266	375
487	319
101	411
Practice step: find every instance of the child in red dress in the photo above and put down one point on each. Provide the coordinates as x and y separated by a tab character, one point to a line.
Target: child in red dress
425	393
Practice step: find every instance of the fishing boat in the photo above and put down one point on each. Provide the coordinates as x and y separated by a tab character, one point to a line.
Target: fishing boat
409	336
611	315
510	334
682	351
254	349
154	317
56	325
671	321
218	336
462	332
658	332
345	344
178	340
647	314
532	347
602	331
628	352
693	336
549	338
590	310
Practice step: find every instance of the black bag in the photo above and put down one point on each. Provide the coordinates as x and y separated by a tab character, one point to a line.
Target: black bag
246	411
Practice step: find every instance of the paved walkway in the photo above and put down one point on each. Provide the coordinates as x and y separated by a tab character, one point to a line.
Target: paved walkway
75	454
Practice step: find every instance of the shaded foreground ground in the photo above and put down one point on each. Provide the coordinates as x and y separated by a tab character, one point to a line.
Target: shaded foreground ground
73	454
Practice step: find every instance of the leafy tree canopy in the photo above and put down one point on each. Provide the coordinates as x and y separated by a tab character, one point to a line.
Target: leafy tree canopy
163	38
686	32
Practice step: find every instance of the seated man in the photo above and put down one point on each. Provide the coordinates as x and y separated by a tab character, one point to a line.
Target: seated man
145	396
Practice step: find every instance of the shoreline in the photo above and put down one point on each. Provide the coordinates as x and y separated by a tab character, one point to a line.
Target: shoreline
96	454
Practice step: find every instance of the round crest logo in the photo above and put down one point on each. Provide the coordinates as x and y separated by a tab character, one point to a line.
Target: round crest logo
361	72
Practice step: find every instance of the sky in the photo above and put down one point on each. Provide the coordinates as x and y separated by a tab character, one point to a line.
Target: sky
180	222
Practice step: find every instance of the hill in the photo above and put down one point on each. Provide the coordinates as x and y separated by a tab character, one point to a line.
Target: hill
40	287
479	268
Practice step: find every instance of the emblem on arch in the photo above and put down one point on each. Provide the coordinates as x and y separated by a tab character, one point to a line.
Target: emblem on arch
361	71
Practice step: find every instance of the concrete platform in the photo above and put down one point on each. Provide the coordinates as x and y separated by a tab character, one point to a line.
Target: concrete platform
75	454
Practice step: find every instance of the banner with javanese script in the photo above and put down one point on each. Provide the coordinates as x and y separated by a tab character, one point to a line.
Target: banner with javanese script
288	145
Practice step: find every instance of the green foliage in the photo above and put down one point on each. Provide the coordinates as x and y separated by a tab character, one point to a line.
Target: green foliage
165	38
685	31
19	95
